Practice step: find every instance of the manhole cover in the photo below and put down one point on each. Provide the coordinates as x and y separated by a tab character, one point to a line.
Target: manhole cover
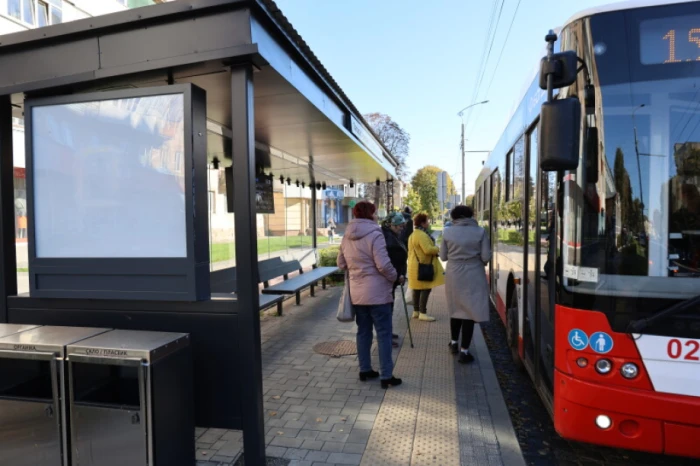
336	348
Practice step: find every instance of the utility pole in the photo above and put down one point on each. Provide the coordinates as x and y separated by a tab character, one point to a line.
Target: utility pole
441	177
464	192
463	182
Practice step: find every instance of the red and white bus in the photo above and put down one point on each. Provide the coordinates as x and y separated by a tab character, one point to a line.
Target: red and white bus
596	270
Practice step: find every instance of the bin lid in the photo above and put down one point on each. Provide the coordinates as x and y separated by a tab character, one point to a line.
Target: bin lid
130	344
9	329
47	339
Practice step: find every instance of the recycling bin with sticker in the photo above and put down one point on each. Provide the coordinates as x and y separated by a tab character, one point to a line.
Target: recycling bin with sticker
131	399
33	420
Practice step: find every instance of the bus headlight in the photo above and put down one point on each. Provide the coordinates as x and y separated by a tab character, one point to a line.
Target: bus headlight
603	422
603	366
629	370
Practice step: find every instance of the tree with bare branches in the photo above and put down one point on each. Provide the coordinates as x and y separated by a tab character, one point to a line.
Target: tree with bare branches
397	141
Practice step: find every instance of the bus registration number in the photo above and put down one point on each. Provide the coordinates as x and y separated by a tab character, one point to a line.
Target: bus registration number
672	363
686	350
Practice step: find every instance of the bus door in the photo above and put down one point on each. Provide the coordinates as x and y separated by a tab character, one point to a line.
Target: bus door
539	334
546	259
494	199
530	310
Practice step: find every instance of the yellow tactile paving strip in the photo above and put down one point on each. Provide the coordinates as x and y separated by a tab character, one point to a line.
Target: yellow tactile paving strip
417	422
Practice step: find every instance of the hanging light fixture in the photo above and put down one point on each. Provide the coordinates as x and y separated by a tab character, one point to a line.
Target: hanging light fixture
352	184
289	181
215	163
303	184
323	185
281	179
297	183
318	186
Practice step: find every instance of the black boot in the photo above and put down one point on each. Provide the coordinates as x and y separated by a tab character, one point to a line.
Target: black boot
368	375
465	357
392	382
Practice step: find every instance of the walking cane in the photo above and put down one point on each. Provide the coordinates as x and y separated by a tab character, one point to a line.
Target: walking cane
405	308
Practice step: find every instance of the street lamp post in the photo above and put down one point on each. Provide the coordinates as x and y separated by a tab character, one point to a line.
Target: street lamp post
461	112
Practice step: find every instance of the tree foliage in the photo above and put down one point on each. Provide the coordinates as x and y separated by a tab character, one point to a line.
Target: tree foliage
631	209
397	141
413	200
424	183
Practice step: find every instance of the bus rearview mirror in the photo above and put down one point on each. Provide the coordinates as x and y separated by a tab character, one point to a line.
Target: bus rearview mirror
562	66
559	134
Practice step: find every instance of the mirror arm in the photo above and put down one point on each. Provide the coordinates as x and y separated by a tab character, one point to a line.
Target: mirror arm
584	67
550	39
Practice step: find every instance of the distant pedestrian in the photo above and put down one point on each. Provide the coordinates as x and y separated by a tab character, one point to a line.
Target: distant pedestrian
364	255
22	224
465	247
423	251
392	226
331	231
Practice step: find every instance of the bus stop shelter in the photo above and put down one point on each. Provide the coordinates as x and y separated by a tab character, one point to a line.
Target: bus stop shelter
270	107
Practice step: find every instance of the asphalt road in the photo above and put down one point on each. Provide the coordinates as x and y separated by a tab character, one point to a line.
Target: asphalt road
539	442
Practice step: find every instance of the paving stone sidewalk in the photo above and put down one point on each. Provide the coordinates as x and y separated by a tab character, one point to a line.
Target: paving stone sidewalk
318	413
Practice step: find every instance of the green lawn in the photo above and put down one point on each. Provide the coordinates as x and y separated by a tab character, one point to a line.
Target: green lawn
227	251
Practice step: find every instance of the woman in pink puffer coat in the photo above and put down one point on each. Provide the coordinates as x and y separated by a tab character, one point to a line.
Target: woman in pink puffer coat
363	253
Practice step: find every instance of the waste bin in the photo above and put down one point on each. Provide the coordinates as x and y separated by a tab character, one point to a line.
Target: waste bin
33	423
9	329
131	399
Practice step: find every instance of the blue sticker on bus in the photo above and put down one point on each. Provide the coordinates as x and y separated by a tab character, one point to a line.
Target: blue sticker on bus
578	339
601	342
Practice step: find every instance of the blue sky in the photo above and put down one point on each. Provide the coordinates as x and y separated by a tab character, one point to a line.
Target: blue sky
417	61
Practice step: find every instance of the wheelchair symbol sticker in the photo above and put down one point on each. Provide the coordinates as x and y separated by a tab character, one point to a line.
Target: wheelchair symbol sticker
578	339
601	342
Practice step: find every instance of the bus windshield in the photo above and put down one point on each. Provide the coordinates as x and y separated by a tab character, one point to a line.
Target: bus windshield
632	209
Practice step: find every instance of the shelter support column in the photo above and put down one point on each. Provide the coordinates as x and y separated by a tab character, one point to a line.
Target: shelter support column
314	216
8	255
243	136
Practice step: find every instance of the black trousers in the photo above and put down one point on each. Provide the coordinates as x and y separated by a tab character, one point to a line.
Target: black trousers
467	328
420	300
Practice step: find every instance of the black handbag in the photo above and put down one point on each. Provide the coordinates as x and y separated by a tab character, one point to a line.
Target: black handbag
426	272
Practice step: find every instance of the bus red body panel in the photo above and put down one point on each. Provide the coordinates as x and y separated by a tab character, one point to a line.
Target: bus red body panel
576	421
501	308
642	419
678	440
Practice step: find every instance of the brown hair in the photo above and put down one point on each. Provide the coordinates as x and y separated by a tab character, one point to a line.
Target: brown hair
364	209
420	219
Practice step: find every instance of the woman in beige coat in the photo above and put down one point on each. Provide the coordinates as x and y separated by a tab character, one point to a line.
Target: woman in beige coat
465	246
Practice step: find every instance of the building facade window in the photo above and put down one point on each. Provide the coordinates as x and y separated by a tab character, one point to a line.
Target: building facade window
35	13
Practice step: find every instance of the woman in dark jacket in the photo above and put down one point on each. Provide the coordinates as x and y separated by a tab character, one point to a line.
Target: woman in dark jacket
392	227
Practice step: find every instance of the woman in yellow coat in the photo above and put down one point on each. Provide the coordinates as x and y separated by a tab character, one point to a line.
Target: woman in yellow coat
422	248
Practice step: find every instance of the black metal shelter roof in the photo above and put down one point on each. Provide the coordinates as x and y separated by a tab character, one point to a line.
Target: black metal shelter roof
193	41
